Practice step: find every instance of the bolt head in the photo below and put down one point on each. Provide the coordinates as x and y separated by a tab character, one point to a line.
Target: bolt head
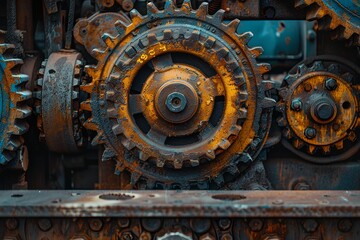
310	225
310	133
331	84
296	105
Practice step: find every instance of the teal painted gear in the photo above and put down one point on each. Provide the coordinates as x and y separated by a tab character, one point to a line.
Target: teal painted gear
342	17
13	108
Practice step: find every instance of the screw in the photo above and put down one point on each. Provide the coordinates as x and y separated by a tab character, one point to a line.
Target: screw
11	223
44	224
224	223
344	225
302	186
310	225
255	225
331	84
95	224
296	105
127	236
310	132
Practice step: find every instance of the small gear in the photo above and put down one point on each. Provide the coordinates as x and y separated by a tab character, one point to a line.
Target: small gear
320	108
178	89
13	108
340	16
57	101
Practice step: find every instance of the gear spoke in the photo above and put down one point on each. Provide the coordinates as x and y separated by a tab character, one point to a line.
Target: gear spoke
158	137
135	103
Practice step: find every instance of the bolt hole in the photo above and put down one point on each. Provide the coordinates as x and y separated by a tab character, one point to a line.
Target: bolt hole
17	195
228	197
83	30
346	105
52	71
151	195
176	101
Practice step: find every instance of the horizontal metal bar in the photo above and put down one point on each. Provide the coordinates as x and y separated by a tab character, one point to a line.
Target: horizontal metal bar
180	204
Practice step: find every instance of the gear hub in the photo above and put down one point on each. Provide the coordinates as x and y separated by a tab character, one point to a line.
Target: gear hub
178	88
329	114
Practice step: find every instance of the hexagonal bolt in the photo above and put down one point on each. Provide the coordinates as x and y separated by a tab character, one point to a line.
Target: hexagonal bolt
344	225
224	223
44	224
95	224
296	105
331	84
11	223
255	225
310	132
127	236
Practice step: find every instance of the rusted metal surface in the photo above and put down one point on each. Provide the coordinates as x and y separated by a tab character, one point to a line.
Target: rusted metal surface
315	204
59	101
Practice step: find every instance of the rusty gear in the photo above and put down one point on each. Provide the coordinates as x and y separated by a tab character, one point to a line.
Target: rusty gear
13	109
340	16
58	101
149	96
320	108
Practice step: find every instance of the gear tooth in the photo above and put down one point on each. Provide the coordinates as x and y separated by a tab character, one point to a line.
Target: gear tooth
348	77
121	26
334	24
264	68
108	154
4	47
143	156
90	124
233	25
194	162
98	139
13	144
119	168
39	82
22	95
110	95
90	70
298	143
202	11
151	9
19	128
209	43
23	112
312	149
235	129
186	5
135	15
86	105
302	69
20	78
219	16
219	180
245	158
135	176
169	6
210	154
224	144
76	82
87	87
317	66
268	102
128	144
11	63
233	170
109	40
326	149
37	95
178	163
75	95
243	96
117	129
334	68
246	37
314	13
222	52
160	163
6	157
98	53
256	51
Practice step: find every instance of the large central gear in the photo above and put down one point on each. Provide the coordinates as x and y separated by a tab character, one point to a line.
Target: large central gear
13	109
340	16
177	88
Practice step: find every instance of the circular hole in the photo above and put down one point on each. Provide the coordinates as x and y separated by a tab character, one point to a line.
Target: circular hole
176	101
83	30
17	195
75	194
151	195
116	196
346	105
52	71
228	197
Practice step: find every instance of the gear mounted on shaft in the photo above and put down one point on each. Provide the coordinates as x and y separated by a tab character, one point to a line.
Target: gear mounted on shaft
13	108
182	93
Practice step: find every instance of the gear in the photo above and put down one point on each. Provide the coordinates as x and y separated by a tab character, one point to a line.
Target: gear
340	16
320	108
58	101
178	88
13	109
